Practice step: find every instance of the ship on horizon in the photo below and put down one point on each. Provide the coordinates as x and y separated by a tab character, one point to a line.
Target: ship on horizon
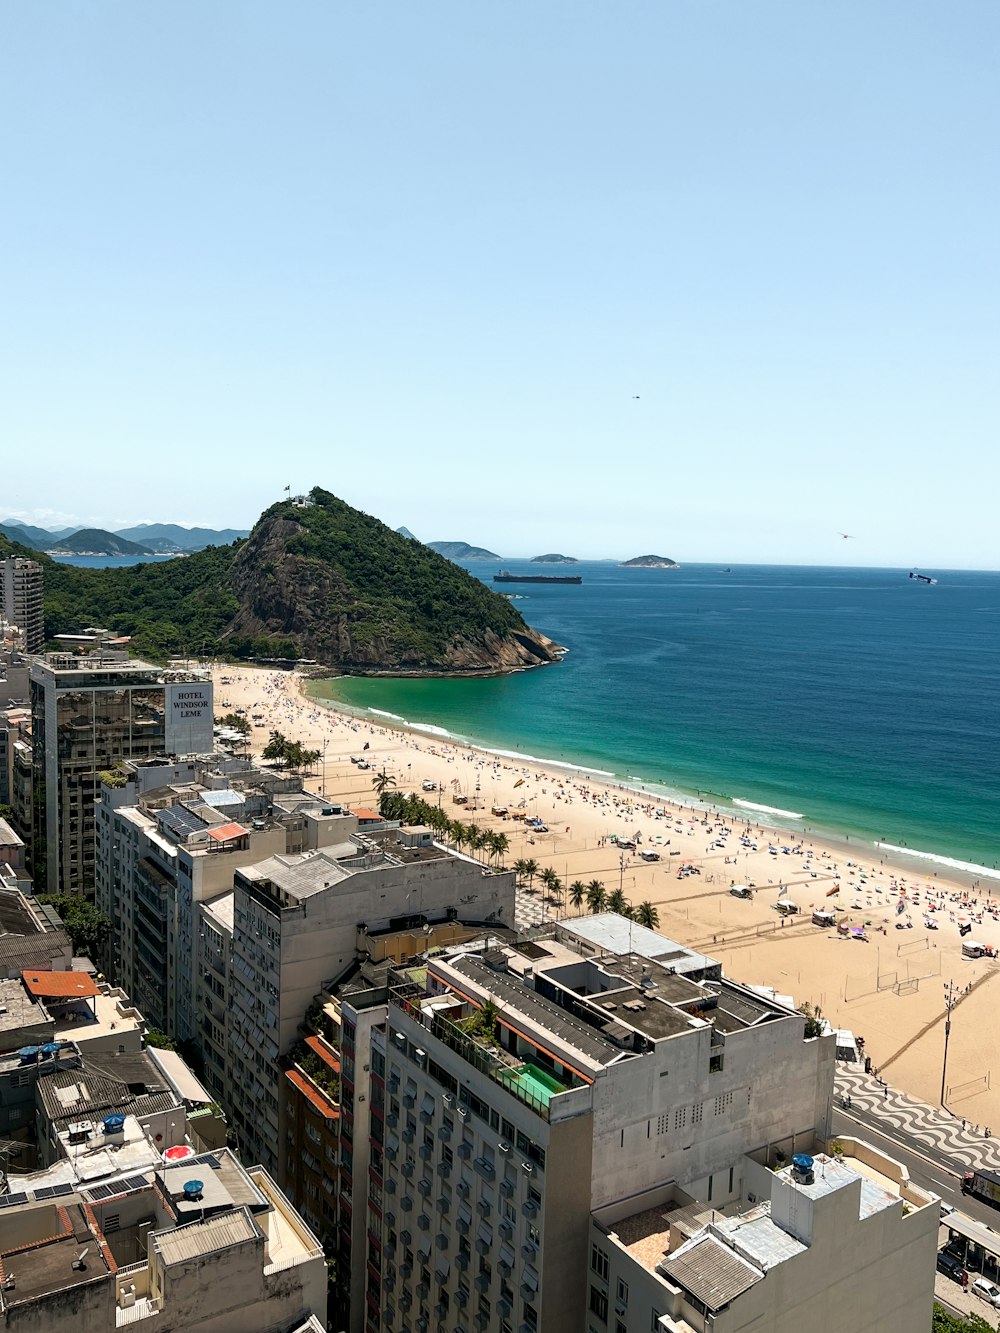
505	576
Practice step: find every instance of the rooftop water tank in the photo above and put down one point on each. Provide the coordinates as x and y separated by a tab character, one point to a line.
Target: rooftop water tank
50	1049
802	1169
114	1124
193	1189
28	1055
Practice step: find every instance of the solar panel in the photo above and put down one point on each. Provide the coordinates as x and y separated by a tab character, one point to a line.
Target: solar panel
52	1191
134	1183
99	1192
12	1200
179	821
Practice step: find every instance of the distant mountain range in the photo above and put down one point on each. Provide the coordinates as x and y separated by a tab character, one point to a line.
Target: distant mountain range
143	539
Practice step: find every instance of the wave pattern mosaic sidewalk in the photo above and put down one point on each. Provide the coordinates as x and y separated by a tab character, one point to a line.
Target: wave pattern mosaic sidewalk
942	1133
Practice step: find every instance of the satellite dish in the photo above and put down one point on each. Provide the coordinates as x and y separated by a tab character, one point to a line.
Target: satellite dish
78	1263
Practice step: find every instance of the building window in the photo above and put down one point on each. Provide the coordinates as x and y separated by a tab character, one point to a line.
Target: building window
662	1123
654	1323
598	1304
599	1262
622	1294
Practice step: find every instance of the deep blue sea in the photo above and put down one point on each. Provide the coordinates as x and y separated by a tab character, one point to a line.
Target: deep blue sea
110	561
857	699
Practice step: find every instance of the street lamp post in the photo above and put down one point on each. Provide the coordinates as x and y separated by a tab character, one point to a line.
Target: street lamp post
950	1000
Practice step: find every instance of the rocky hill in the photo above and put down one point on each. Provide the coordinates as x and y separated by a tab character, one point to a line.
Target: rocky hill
315	579
553	558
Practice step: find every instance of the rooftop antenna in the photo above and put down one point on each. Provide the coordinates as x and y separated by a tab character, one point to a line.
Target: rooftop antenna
78	1264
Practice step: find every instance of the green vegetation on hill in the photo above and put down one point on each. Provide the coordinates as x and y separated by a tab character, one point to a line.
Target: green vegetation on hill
403	588
322	581
95	541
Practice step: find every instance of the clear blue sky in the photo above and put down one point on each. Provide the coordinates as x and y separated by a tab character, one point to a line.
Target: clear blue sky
424	255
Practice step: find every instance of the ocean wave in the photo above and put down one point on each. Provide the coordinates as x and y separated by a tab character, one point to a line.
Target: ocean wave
951	862
381	712
768	809
434	731
535	759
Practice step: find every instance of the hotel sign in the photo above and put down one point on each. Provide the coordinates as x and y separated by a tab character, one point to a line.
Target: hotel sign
189	718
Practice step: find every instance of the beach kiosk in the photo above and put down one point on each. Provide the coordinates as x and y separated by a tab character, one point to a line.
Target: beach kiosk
741	891
786	907
821	917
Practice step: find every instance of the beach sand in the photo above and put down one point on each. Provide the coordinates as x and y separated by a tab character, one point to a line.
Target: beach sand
887	987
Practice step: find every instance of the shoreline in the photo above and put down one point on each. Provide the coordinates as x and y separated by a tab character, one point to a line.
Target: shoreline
909	915
915	861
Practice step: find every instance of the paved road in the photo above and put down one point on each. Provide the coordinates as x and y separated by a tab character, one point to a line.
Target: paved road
926	1168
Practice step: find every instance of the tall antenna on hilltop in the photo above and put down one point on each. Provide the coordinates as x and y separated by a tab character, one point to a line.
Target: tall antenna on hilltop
288	490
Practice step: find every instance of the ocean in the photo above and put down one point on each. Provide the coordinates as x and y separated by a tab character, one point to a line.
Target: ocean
110	561
848	701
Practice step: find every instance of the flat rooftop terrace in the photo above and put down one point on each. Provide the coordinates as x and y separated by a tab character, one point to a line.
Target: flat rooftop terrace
43	1263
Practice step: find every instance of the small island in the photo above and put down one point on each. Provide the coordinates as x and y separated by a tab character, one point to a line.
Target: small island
462	551
554	559
650	562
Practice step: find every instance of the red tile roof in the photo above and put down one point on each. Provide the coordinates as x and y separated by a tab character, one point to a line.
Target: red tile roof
325	1108
226	831
60	985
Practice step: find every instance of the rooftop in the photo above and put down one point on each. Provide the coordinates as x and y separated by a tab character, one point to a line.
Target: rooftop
201	1238
710	1271
60	985
516	998
611	933
46	1259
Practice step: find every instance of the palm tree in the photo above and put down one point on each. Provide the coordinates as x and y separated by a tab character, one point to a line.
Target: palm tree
577	893
552	883
531	870
475	837
647	915
501	845
596	896
392	805
382	781
617	902
459	833
520	869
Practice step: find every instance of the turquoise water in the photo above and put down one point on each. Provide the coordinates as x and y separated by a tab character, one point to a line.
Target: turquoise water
536	1083
859	700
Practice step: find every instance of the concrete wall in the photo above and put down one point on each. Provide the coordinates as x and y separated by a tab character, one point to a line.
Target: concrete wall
668	1116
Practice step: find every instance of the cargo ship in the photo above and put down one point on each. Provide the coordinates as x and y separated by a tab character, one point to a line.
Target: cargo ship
505	576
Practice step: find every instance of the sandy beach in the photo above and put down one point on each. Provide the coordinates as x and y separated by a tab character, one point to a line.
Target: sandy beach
884	979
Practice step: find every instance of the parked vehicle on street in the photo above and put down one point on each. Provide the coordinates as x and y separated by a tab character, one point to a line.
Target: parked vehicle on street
984	1185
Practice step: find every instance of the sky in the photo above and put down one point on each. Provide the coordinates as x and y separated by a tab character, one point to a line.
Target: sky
713	280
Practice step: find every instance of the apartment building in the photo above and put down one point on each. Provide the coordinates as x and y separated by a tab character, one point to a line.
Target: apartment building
87	716
512	1090
826	1242
21	600
296	923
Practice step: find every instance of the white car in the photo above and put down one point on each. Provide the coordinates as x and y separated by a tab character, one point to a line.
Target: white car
987	1291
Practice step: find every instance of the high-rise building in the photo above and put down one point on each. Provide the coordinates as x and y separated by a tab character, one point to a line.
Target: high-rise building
297	921
21	597
87	716
555	1135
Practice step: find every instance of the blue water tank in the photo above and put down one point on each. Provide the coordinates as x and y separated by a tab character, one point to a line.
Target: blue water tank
802	1161
193	1189
28	1055
114	1124
50	1048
